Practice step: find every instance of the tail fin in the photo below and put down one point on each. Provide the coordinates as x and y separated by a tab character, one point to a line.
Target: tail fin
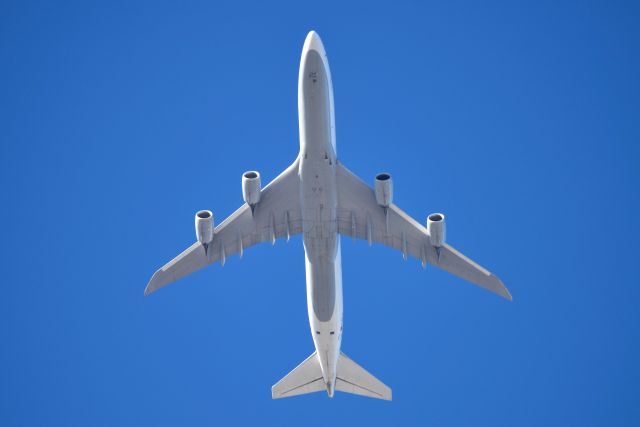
305	378
352	378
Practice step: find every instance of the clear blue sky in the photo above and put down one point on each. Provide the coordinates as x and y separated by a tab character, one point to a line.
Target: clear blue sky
518	120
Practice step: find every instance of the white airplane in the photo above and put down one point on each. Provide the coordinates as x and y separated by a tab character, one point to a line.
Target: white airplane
320	198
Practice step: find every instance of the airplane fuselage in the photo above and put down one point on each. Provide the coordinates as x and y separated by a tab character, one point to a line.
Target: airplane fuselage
318	197
319	206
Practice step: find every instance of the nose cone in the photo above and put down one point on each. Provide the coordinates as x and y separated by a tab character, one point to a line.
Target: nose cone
313	42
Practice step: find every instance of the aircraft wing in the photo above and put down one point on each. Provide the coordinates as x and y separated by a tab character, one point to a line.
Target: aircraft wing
278	214
360	216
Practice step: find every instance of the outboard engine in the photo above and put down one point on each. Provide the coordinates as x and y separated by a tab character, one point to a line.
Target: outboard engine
384	189
204	228
437	229
251	188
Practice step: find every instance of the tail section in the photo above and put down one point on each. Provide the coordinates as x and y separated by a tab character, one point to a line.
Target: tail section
351	378
305	378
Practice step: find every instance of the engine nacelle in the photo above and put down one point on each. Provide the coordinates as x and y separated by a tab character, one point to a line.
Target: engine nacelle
437	229
204	227
384	189
251	187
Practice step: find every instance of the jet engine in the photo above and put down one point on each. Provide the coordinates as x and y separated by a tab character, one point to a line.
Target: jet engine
251	188
204	227
384	189
437	229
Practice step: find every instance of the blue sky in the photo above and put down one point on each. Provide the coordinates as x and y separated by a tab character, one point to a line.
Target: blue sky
518	120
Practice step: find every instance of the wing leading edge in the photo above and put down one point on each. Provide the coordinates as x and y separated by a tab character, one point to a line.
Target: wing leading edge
277	215
360	216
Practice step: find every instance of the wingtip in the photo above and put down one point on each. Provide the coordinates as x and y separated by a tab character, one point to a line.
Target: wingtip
149	289
152	286
504	292
508	295
274	393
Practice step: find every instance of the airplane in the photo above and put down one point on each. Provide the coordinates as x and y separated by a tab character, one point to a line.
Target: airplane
318	197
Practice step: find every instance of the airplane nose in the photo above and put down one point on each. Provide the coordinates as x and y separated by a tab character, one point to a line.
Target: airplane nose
313	42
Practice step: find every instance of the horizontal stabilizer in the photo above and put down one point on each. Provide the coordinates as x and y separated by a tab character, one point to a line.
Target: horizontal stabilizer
352	378
305	378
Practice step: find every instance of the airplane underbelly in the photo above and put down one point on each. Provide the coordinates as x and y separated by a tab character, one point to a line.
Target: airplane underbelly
319	202
325	306
319	199
320	239
321	280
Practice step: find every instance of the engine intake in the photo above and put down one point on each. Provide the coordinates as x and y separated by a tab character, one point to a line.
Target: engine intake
204	227
437	229
251	188
384	189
